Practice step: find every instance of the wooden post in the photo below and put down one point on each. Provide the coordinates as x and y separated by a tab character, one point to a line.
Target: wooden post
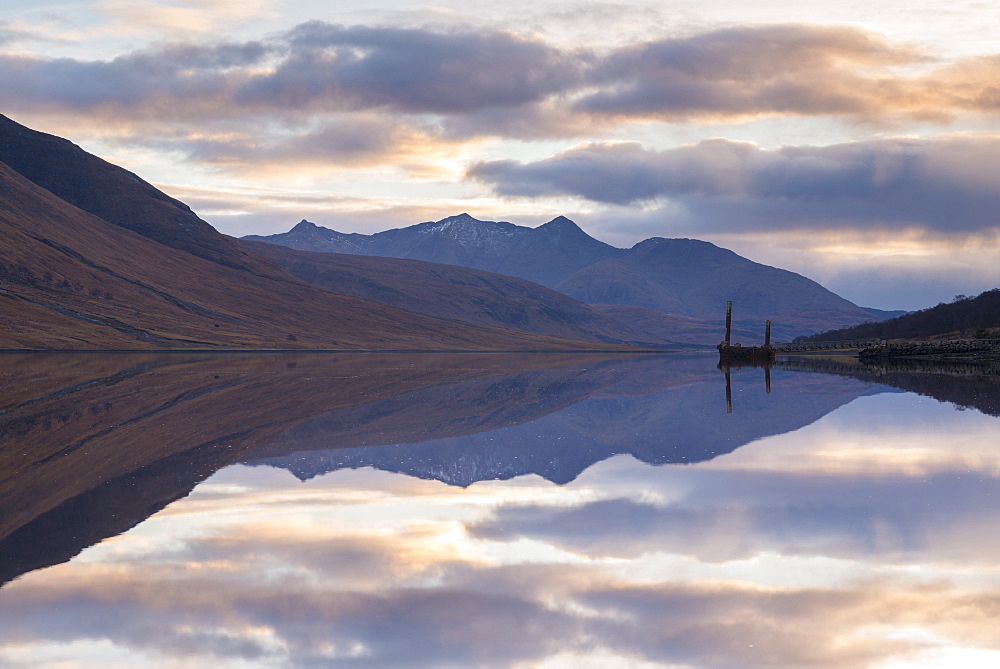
729	321
767	333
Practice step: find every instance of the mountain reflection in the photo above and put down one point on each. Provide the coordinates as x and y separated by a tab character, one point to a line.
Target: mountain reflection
100	442
837	521
659	410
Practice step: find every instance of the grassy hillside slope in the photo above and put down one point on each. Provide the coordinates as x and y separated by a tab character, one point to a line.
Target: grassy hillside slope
453	292
69	279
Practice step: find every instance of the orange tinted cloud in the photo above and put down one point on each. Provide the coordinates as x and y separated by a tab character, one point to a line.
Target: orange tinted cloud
491	83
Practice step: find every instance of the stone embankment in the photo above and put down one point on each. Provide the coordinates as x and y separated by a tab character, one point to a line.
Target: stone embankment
807	346
984	348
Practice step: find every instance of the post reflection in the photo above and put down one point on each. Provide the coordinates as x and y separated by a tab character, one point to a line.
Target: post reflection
727	367
849	523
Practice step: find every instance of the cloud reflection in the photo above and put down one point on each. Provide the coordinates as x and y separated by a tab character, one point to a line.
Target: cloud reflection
750	560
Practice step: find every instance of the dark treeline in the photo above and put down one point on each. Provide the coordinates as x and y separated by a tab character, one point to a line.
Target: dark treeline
967	316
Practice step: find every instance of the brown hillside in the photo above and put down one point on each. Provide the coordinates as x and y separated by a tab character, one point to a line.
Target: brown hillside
69	279
453	292
113	194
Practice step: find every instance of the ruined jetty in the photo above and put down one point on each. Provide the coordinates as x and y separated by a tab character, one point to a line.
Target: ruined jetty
730	353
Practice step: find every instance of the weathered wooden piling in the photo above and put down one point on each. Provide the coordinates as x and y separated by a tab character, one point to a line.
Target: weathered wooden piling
729	321
729	352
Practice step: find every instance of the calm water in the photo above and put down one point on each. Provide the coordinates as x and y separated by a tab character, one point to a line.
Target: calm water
496	511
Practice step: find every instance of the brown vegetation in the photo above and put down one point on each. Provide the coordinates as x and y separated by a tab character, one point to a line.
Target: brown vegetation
70	280
455	293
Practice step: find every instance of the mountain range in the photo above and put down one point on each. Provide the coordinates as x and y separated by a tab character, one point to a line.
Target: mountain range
671	290
93	257
547	254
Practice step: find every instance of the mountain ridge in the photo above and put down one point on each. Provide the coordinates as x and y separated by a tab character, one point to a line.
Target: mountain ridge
162	278
683	277
113	194
507	248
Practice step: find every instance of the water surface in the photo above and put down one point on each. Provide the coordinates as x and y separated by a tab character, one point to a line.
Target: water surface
498	511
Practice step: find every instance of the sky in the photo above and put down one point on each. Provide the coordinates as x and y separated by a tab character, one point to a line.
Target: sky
854	142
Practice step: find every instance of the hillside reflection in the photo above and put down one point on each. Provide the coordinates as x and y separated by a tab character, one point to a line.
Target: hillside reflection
969	384
495	511
100	442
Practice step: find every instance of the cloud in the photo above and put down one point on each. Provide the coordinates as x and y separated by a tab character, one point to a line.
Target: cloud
426	102
355	140
177	83
489	82
810	516
788	69
945	184
415	71
314	67
8	33
300	610
293	96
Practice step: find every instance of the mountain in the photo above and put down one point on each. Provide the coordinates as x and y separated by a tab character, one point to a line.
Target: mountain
546	254
683	278
120	265
455	293
691	278
114	194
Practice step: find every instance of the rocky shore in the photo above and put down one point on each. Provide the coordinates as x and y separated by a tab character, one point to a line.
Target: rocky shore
987	349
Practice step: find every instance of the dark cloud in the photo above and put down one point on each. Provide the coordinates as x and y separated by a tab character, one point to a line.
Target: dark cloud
944	184
415	71
135	87
316	66
185	58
